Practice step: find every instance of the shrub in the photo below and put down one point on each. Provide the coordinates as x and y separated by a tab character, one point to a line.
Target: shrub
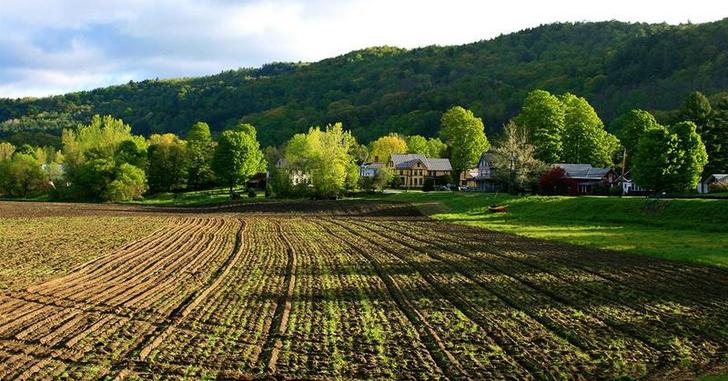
252	193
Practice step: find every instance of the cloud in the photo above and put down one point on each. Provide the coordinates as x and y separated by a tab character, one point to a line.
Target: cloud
56	46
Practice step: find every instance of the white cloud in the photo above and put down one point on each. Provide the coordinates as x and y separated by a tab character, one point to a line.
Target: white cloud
95	43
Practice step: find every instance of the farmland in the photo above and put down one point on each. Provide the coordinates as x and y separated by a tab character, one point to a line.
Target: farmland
348	290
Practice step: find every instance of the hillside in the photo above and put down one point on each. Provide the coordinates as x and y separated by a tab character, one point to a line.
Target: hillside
615	65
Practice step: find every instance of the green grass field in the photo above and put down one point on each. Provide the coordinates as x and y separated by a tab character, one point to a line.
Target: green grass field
692	230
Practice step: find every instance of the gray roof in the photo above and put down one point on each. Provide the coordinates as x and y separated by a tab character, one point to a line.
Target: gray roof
486	160
718	177
583	171
432	164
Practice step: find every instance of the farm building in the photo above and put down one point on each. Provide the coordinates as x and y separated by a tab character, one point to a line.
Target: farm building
413	169
482	178
628	186
714	180
585	179
296	175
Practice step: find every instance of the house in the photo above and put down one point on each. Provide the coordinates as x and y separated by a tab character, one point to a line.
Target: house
712	181
297	176
258	181
413	169
629	187
370	169
586	179
482	178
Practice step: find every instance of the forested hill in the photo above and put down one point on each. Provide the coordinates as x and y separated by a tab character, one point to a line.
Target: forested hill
616	66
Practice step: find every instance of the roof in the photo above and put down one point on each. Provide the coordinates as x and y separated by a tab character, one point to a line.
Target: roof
409	159
372	165
718	177
583	171
486	160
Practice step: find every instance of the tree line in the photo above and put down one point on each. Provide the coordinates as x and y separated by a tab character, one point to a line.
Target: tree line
104	160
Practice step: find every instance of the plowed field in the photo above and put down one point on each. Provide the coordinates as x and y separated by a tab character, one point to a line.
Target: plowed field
351	290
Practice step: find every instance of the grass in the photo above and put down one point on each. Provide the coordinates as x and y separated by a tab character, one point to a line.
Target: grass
692	230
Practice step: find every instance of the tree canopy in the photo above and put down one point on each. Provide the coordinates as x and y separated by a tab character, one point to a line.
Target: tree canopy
465	134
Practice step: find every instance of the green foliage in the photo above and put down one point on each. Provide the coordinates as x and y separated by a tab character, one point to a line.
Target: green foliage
715	137
617	66
584	139
543	117
237	157
633	125
382	149
696	109
168	163
669	159
129	183
432	147
325	157
21	175
200	148
465	134
6	151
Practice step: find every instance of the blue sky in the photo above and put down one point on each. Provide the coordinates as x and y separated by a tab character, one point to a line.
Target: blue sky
56	46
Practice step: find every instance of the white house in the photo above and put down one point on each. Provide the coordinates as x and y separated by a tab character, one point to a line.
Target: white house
716	178
370	169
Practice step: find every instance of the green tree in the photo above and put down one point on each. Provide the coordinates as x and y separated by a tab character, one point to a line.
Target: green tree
237	157
715	137
21	175
669	159
433	147
436	148
465	135
633	125
132	152
128	183
200	148
696	109
584	139
168	163
543	116
383	148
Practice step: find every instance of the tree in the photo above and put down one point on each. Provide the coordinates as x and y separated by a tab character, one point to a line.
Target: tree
94	153
433	147
465	135
584	139
21	175
696	109
237	157
543	116
6	151
200	149
669	159
515	159
633	125
129	183
168	163
715	137
385	146
324	156
382	178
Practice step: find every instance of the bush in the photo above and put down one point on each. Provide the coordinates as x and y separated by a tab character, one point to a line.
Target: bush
252	193
429	185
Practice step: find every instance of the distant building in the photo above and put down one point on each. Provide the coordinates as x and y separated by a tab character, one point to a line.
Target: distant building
370	169
712	180
482	178
585	179
297	176
629	187
413	169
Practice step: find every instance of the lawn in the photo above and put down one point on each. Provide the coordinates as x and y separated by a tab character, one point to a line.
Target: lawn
693	230
196	198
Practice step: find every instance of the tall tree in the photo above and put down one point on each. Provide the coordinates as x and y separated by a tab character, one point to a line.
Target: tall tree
200	148
6	151
696	109
543	117
21	175
669	159
168	163
465	135
237	157
715	137
584	139
385	146
633	125
432	147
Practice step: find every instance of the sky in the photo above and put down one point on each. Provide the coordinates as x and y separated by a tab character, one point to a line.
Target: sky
57	46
